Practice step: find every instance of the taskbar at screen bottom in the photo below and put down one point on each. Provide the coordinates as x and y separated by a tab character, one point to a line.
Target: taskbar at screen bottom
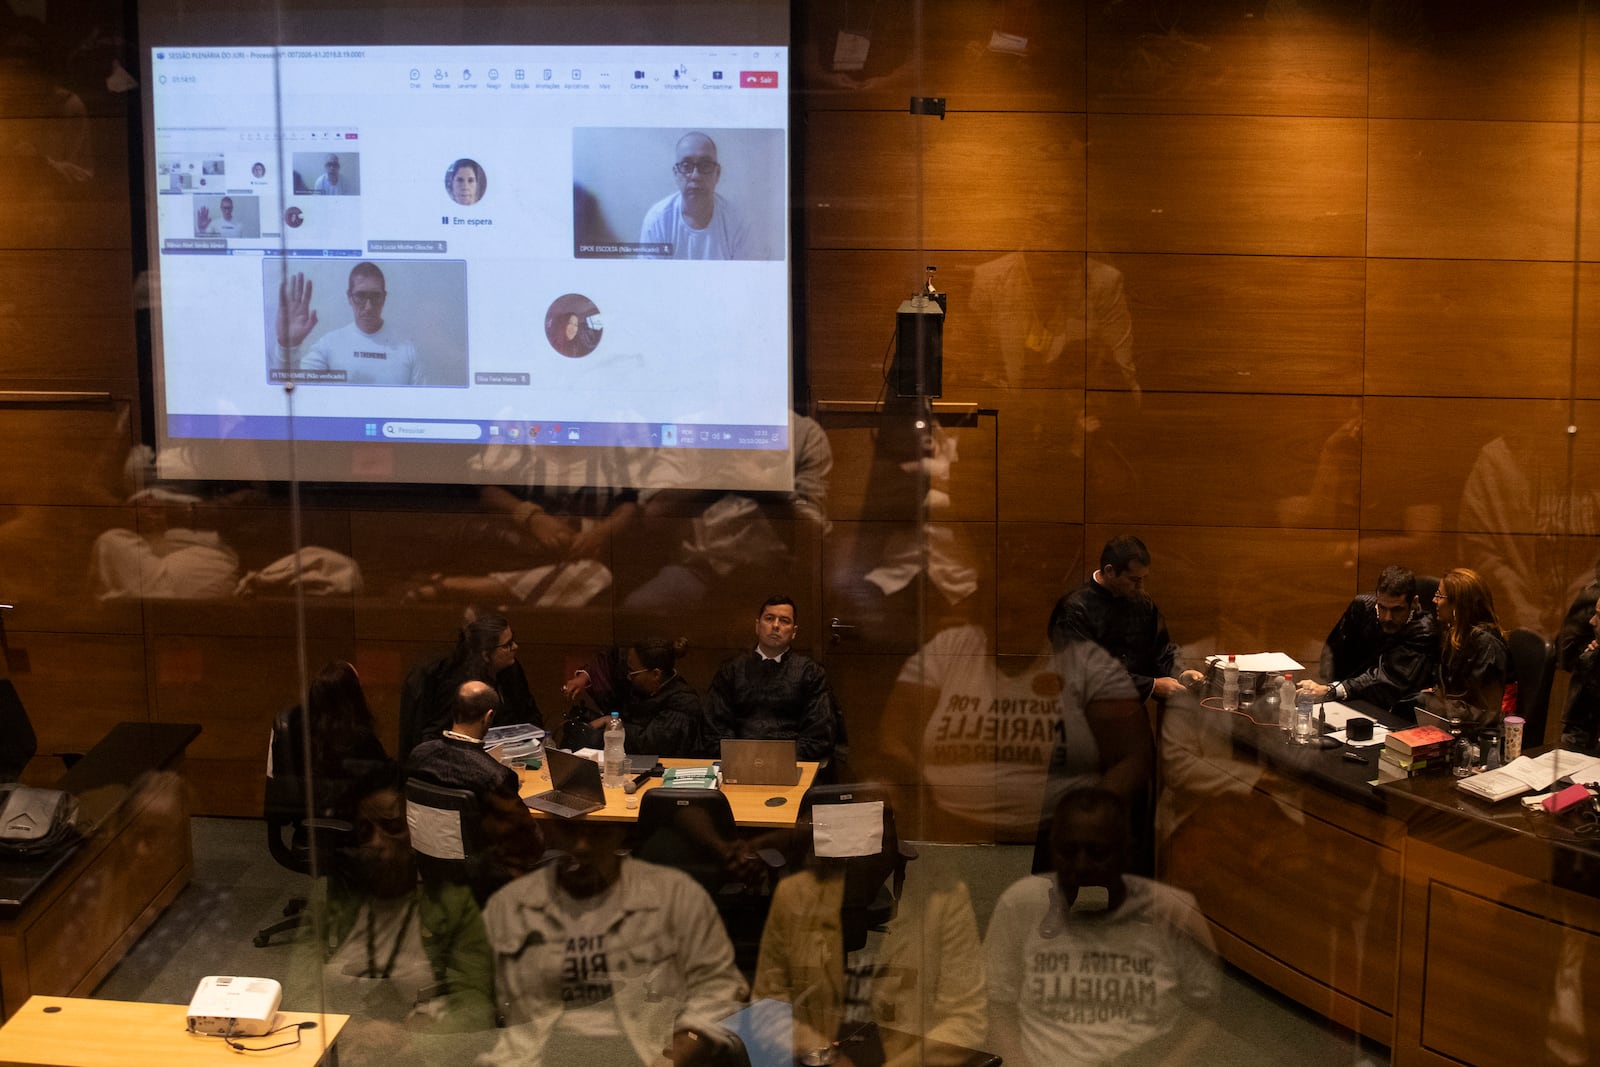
471	431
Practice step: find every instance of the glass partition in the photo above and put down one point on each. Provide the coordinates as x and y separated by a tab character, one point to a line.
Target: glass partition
996	370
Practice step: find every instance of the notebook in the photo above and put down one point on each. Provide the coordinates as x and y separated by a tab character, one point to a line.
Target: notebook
575	786
747	762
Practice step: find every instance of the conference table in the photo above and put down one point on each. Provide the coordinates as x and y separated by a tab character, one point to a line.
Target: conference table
754	806
77	1032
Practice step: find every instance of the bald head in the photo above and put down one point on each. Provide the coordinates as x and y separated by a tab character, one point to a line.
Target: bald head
696	169
475	702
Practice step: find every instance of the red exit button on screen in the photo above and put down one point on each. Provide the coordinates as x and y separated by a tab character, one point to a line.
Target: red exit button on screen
758	79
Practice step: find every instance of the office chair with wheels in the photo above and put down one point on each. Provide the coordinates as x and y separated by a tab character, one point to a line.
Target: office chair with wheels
874	869
455	881
694	831
299	839
1533	659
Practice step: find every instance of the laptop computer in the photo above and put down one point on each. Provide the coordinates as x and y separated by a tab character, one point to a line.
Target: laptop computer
576	788
750	762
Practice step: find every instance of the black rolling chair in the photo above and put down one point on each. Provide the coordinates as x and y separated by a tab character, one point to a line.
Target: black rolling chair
874	872
299	839
1533	659
693	830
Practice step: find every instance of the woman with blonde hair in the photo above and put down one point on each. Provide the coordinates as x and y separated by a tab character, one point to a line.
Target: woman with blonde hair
1474	658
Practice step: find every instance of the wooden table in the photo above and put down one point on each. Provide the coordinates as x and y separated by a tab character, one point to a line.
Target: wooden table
749	802
74	1032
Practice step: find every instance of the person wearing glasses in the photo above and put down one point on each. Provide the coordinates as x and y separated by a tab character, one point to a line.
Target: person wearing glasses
1385	646
1474	658
485	651
695	221
660	711
365	352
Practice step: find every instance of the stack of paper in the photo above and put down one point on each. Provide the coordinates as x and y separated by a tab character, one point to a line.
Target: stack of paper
1527	773
706	777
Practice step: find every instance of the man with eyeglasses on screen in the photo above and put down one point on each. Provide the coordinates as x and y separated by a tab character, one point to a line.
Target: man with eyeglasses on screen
367	351
695	221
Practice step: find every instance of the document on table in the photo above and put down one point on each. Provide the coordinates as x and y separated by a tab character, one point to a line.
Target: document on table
1271	662
1527	773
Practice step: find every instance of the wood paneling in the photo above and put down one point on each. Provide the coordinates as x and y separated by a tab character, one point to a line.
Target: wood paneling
1259	324
1497	466
1035	565
897	620
1223	460
992	180
1468	328
1148	56
1210	583
78	686
1471	190
851	299
52	592
944	48
63	454
64	183
1469	936
883	469
67	315
1589	205
1039	474
1257	186
1477	60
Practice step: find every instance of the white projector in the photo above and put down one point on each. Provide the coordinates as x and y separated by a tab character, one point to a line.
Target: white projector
234	1007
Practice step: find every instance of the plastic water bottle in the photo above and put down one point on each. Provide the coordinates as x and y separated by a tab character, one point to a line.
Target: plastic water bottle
1230	684
611	777
1286	702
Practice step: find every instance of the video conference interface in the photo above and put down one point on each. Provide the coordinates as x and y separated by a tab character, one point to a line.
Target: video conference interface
474	245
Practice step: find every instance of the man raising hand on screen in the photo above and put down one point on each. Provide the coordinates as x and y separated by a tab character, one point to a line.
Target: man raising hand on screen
366	352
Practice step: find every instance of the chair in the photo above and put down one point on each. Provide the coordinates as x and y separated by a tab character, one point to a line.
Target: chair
691	830
874	872
299	839
444	824
420	698
1533	661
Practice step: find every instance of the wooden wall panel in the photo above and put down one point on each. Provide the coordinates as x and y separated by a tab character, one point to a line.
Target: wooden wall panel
1468	328
850	304
1147	56
1211	585
1039	473
67	314
1471	190
1584	380
1477	60
78	686
1259	324
46	555
1018	319
1484	465
1223	460
899	621
43	207
1035	565
878	471
1257	186
1589	205
63	454
993	180
944	48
